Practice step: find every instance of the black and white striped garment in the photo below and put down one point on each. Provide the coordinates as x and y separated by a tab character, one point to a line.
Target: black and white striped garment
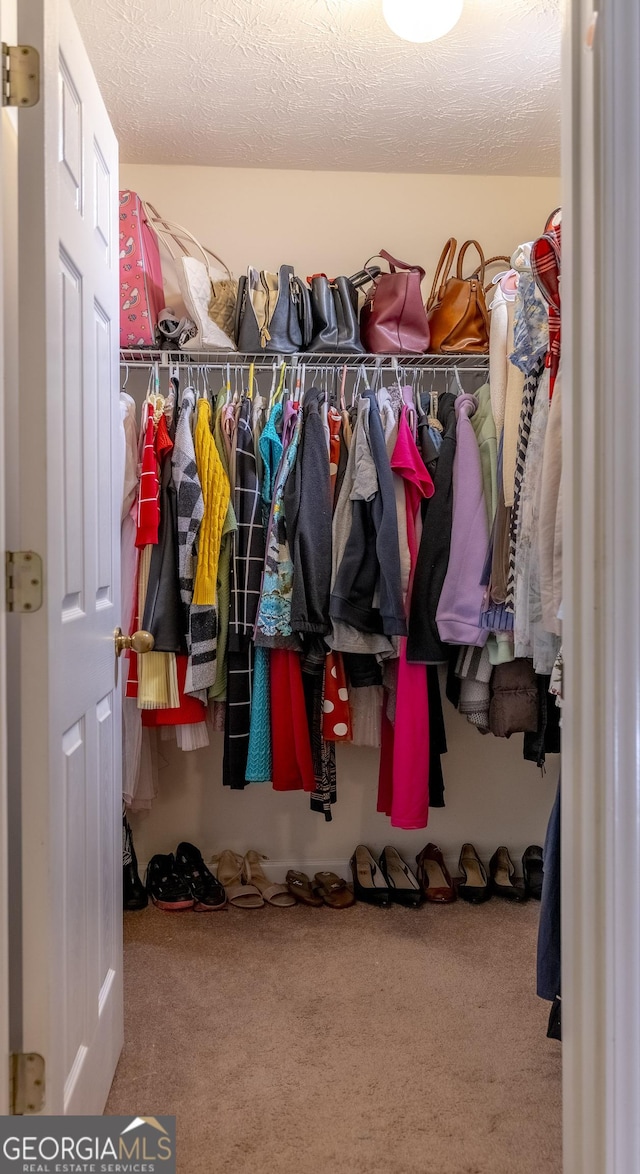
202	620
247	561
524	428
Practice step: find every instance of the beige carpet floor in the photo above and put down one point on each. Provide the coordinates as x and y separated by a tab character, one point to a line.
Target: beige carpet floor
369	1041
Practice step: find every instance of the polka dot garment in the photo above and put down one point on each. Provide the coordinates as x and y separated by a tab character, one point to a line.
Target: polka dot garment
336	719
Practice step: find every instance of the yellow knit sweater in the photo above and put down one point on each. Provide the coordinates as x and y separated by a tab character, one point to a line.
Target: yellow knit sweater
215	494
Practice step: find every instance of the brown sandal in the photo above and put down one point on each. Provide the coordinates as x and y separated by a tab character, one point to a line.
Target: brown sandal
300	886
334	891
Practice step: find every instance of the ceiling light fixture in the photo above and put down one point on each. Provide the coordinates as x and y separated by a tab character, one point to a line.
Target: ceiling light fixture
421	20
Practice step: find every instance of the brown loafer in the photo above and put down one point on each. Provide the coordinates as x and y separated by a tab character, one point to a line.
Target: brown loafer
434	877
299	884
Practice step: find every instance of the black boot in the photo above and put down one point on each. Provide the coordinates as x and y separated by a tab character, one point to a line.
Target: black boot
554	1030
134	894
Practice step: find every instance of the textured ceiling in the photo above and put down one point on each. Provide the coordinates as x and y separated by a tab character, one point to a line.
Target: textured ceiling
324	84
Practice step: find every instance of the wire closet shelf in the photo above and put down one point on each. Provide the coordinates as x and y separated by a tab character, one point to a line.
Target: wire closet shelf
220	360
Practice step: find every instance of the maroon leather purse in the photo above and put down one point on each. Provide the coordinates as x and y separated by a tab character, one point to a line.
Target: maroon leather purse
393	319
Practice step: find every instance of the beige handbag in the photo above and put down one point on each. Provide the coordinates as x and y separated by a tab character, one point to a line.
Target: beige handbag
196	288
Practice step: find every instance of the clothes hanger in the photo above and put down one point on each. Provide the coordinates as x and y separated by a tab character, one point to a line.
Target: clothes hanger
148	399
289	395
343	406
237	382
154	402
417	399
409	392
171	402
334	388
299	392
277	395
181	386
274	376
432	418
434	397
126	377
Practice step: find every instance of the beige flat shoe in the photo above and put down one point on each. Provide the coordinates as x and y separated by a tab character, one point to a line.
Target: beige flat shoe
253	873
230	867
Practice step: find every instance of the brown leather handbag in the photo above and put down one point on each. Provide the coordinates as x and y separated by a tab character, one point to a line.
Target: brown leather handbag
393	319
456	309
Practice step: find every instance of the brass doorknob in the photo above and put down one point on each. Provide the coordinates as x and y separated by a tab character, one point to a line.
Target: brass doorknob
141	642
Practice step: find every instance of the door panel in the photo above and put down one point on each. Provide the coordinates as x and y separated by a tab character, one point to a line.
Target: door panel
70	442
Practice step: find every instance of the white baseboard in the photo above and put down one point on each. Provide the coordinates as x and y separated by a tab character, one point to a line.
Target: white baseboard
276	870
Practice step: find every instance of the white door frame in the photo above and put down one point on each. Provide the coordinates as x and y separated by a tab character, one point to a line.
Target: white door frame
10	937
4	870
601	489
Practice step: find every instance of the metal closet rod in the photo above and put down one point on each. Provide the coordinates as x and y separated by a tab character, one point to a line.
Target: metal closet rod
219	361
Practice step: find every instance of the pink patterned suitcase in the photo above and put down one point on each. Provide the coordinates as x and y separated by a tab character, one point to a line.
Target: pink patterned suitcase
141	293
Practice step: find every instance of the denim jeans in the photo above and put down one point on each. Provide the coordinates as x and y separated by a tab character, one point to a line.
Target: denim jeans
549	930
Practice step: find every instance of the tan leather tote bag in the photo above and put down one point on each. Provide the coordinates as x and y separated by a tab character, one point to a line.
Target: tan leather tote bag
456	309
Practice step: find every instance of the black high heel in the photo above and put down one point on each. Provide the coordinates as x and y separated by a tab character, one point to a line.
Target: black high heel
403	885
475	886
503	876
369	883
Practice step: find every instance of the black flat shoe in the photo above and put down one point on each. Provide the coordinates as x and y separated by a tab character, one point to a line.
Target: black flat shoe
475	887
532	871
167	889
207	892
369	883
503	876
403	885
134	894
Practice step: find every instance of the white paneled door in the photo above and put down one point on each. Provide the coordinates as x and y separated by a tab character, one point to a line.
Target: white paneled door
70	496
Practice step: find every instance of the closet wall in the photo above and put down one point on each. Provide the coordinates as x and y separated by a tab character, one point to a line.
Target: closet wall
332	222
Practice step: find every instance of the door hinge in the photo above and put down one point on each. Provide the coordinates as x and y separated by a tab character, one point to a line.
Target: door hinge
23	578
26	1083
20	75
